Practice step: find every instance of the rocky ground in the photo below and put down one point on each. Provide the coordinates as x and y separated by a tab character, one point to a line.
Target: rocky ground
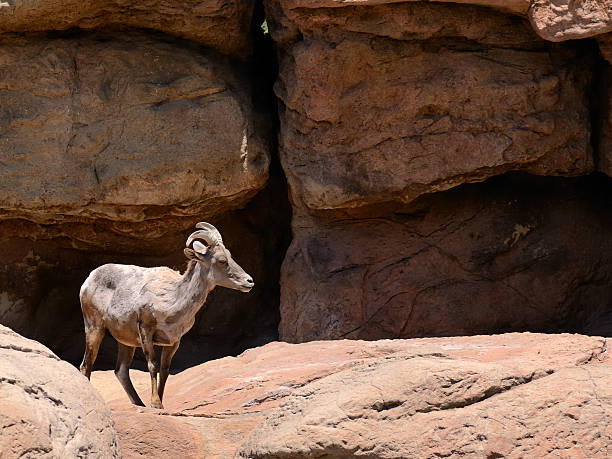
513	395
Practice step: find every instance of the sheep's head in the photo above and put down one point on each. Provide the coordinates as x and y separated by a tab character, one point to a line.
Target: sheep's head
222	268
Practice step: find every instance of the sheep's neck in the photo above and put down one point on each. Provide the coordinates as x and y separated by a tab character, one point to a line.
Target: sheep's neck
195	286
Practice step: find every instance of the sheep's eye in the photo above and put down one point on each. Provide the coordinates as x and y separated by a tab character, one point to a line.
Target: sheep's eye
223	261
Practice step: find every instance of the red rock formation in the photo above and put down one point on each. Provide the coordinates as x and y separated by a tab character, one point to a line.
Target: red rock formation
114	143
516	395
114	127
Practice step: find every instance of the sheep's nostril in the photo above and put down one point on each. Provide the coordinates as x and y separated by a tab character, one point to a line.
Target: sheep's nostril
249	280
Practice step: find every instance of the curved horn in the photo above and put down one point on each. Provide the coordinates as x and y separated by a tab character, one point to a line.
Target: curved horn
213	231
207	232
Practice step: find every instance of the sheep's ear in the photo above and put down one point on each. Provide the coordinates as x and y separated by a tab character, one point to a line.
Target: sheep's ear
199	252
200	248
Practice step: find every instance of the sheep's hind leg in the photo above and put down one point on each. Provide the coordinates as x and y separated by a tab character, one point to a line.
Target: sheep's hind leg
146	340
164	370
125	354
93	338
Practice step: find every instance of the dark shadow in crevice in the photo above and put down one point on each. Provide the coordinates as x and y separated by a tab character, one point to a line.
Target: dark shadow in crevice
598	97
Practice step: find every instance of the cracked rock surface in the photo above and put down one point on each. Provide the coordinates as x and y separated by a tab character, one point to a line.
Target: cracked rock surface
47	408
481	258
513	395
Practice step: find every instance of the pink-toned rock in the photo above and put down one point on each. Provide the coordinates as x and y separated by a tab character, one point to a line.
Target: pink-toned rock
448	410
393	398
47	408
568	19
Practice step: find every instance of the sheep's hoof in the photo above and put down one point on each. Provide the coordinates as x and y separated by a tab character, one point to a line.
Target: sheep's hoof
159	406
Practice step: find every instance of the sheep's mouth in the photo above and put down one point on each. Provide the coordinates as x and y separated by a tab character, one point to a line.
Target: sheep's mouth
246	288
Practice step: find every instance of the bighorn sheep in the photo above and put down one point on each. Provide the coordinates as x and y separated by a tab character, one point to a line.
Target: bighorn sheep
150	307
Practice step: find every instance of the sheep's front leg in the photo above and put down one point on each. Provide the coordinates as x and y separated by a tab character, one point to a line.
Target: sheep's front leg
166	357
125	354
146	341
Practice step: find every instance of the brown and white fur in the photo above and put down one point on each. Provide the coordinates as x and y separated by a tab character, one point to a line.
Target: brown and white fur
150	307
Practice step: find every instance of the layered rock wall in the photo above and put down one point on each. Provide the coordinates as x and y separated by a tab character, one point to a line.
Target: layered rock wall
386	102
444	165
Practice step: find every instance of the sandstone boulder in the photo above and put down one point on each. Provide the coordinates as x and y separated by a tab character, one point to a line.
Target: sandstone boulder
567	19
47	408
388	102
562	415
121	128
517	395
220	24
513	253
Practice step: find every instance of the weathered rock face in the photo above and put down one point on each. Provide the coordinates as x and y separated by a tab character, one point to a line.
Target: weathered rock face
119	127
566	20
516	395
449	409
219	24
513	253
47	408
386	103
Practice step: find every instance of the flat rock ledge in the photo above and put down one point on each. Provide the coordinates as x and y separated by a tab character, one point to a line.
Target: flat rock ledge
511	395
47	408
